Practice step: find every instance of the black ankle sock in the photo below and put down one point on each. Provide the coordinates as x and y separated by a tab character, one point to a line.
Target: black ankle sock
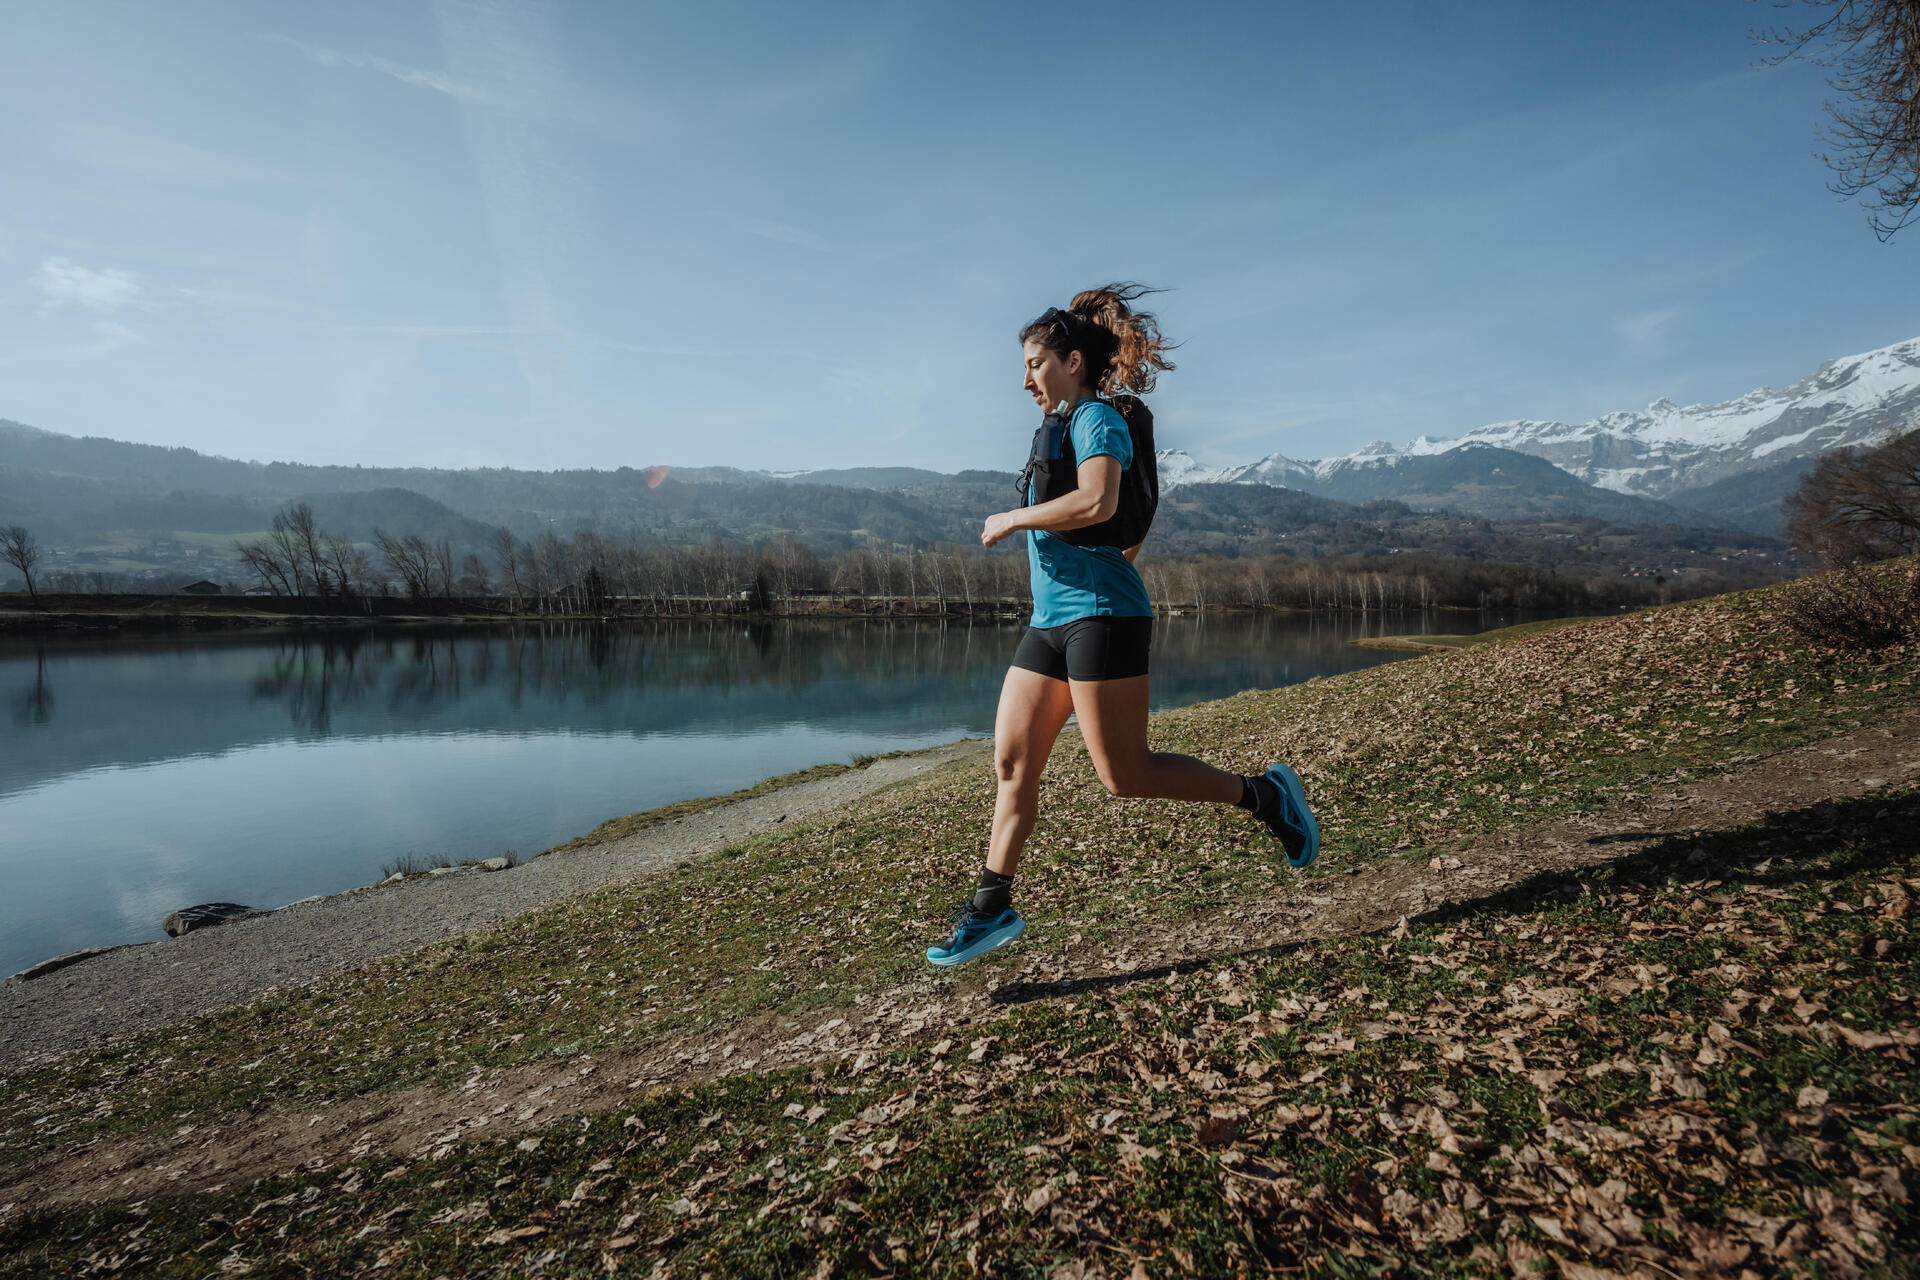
1249	798
995	894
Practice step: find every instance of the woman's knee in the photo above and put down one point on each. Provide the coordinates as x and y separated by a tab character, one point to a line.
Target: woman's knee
1014	766
1122	781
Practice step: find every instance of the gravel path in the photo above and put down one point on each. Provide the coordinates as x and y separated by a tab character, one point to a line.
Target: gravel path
131	989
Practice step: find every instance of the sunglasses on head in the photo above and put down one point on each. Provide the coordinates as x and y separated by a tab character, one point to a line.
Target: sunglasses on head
1065	319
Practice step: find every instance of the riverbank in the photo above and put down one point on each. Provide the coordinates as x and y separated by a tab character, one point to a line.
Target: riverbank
1607	960
71	615
80	614
121	991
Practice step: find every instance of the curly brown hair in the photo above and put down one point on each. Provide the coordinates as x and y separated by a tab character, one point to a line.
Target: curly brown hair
1124	348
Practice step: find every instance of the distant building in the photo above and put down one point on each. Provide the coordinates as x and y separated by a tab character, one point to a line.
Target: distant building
201	588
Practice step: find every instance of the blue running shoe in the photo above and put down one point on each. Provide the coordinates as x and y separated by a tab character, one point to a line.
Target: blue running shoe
975	935
1283	810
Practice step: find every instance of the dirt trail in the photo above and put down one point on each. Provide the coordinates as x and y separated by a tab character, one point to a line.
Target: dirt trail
418	1122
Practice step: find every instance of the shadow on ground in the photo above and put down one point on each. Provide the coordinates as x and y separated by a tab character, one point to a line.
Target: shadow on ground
1828	841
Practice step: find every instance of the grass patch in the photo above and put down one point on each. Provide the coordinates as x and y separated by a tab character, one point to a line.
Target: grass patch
1499	635
411	864
620	828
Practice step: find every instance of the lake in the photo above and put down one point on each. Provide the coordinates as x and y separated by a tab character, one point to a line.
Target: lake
141	775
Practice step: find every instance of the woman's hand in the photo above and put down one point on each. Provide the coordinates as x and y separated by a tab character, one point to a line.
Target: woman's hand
999	525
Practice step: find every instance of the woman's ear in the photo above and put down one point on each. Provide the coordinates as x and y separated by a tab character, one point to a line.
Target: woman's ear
1076	363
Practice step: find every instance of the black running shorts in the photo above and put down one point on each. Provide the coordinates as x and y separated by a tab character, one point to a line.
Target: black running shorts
1087	649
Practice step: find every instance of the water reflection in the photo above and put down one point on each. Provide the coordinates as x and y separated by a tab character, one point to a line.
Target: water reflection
33	705
526	676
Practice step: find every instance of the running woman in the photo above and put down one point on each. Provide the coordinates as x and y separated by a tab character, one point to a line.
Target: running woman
1087	501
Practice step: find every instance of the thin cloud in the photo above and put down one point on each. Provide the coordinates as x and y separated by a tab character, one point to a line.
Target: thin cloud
779	232
64	283
443	330
419	77
106	337
1646	332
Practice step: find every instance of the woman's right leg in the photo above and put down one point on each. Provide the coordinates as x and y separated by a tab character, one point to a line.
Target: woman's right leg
1032	710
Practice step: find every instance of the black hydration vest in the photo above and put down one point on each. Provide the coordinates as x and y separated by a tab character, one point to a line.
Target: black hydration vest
1052	470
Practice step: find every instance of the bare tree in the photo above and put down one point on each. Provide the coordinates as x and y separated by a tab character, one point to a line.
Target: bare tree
882	563
937	578
347	566
510	556
285	542
440	566
473	577
18	548
1860	504
850	574
263	558
1871	49
1259	583
411	560
556	570
792	564
296	529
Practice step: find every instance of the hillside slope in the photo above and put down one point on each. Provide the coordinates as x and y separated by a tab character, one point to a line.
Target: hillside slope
1696	1058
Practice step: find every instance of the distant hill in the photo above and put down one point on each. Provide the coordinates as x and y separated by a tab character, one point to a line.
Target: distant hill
1499	483
95	500
1748	500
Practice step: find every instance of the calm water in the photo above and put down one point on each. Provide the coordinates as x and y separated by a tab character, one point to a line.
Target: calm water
141	776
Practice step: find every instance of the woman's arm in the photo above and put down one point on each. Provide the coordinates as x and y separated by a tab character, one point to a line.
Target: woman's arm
1132	553
1097	498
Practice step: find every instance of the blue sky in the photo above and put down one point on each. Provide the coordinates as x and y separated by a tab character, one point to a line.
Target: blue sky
787	236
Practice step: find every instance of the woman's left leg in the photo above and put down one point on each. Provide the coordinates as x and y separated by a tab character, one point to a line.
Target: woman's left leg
1113	720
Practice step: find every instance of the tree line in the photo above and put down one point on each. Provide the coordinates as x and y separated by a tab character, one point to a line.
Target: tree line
591	573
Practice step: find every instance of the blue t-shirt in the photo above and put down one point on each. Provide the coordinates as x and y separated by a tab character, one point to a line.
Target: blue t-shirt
1071	582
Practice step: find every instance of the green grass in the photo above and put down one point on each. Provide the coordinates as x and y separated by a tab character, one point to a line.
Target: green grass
1498	635
1521	630
1398	758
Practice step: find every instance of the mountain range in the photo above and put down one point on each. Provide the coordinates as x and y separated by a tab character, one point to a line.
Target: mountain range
1726	464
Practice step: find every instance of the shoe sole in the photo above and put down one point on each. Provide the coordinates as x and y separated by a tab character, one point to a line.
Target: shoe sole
1289	783
987	942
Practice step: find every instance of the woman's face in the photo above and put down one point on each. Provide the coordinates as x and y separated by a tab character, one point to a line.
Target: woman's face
1051	379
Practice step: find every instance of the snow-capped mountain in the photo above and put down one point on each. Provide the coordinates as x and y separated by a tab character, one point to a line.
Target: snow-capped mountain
1661	452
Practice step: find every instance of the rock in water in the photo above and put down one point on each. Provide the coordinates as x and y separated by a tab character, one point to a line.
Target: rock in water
204	916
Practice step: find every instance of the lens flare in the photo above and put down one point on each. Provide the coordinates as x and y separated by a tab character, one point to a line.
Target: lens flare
654	476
